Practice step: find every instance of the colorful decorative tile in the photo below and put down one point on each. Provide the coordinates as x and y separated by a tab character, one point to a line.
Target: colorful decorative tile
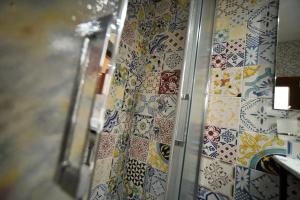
218	61
226	152
131	191
111	120
253	147
147	104
118	167
255	185
166	106
115	98
258	115
251	57
115	188
216	176
180	15
235	7
128	33
235	46
206	194
135	172
106	145
176	40
227	82
212	133
293	187
143	126
139	148
221	23
237	32
156	183
227	147
210	142
223	112
159	156
102	171
120	76
150	84
169	82
219	48
158	43
263	18
173	60
221	36
239	19
163	130
266	53
235	60
134	82
153	64
220	143
99	192
122	143
228	136
130	100
258	81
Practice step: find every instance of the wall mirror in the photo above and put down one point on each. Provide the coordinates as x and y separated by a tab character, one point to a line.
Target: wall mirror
100	42
287	77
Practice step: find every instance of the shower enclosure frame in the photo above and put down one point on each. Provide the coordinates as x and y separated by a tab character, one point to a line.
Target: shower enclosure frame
185	155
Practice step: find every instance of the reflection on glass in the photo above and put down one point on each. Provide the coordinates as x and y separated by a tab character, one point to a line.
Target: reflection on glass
288	56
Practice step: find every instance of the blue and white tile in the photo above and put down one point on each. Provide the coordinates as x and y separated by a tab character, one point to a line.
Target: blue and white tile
111	120
99	192
166	105
255	185
262	19
217	176
221	36
147	104
219	48
235	60
143	125
258	81
173	60
206	194
258	115
156	183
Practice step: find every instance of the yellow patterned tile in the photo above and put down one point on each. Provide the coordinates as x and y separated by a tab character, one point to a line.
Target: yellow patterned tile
222	23
159	156
237	32
226	82
254	146
115	97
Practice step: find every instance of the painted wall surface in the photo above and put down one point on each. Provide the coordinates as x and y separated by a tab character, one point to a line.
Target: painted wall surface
239	135
133	154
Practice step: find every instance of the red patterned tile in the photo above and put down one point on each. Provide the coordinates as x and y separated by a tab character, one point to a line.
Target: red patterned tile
106	145
226	152
139	148
212	134
218	61
169	82
163	130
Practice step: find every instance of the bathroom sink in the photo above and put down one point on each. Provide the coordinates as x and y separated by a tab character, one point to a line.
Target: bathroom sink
290	164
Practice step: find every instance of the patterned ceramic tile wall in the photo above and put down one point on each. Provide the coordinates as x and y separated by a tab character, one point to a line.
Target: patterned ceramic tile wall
239	136
134	147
